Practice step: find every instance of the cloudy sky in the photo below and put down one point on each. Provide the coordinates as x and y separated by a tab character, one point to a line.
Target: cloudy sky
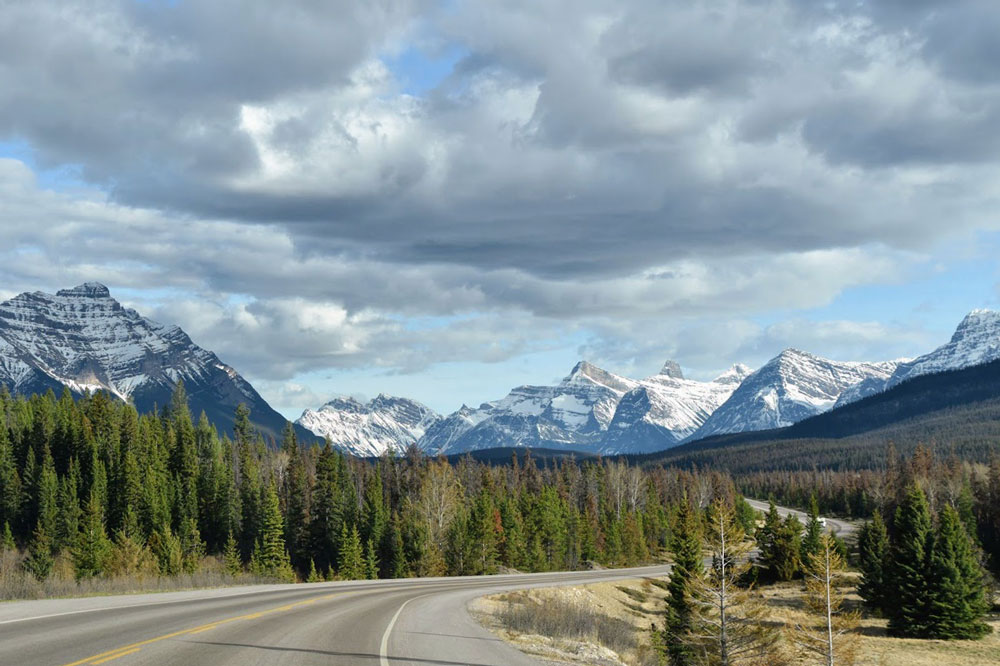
446	199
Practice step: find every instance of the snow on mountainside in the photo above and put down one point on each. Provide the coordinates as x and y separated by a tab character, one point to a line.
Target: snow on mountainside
84	339
666	409
975	341
790	387
574	414
383	424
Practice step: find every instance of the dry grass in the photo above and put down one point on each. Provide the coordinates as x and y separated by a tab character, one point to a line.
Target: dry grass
555	622
604	623
879	649
15	583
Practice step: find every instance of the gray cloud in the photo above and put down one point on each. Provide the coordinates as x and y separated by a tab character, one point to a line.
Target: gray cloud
614	172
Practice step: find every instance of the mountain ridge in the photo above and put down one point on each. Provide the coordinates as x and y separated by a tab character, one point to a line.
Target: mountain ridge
83	339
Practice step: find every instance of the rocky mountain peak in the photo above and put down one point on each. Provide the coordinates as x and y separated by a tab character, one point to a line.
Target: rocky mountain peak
85	290
672	369
83	339
734	375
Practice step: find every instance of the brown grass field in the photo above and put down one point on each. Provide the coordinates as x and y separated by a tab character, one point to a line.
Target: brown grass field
584	625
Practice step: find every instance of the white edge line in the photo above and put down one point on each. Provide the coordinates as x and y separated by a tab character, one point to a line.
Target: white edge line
141	605
383	649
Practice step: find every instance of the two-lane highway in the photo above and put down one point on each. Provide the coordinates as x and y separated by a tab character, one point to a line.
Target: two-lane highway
375	623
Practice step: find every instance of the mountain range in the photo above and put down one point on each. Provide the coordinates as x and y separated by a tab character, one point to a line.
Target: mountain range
85	340
594	411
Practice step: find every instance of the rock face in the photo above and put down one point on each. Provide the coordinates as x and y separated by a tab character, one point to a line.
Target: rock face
790	387
383	424
84	339
666	409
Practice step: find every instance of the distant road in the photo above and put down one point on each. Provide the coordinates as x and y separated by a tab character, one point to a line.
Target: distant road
841	528
423	622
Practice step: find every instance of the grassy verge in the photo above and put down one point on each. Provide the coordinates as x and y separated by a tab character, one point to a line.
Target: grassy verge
609	624
605	624
17	584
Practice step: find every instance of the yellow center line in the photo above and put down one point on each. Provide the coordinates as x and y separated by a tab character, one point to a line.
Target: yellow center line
134	647
115	656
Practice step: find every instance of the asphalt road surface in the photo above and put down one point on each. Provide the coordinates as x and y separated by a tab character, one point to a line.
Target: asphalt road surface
423	622
841	528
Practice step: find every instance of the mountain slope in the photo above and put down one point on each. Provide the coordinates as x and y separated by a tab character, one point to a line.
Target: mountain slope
789	388
572	415
84	339
383	424
666	409
975	341
957	411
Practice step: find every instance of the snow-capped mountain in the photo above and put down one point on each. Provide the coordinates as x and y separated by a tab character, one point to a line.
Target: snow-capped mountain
790	387
666	409
385	423
573	414
975	341
84	339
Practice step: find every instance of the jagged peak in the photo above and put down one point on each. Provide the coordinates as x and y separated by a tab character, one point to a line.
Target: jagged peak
977	318
672	369
734	375
86	290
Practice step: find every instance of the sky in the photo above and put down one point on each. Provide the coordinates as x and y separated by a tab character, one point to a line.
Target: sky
444	200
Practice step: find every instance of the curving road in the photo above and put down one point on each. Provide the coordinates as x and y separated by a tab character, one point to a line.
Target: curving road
841	528
423	622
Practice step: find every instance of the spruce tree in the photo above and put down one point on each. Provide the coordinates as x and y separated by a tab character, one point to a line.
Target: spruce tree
371	561
352	565
39	561
687	565
92	548
873	547
906	571
956	589
7	539
270	557
231	561
814	531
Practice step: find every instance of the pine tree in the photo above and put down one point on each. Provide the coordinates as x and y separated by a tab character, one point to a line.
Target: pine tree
313	576
352	565
270	557
687	566
7	539
166	547
39	561
192	547
371	561
811	540
231	560
956	590
92	548
831	641
906	570
873	547
396	566
729	625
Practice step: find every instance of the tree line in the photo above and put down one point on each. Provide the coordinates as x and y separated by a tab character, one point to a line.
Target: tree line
91	486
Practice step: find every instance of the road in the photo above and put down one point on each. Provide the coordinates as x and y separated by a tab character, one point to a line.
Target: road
422	622
841	528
